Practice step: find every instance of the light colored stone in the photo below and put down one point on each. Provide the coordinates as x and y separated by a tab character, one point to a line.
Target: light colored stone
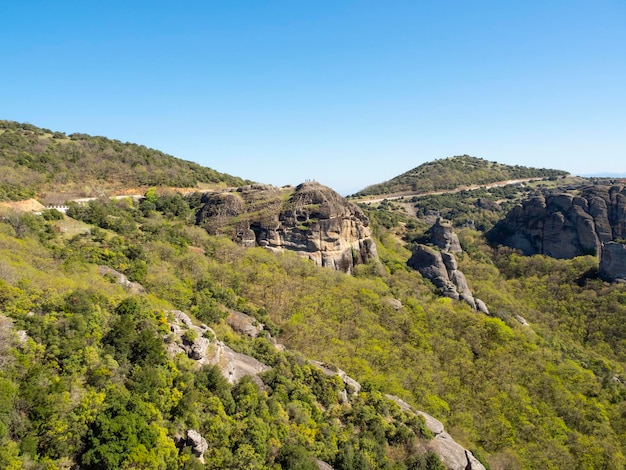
314	222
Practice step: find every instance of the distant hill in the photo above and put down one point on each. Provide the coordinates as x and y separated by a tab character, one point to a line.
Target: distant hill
35	160
455	172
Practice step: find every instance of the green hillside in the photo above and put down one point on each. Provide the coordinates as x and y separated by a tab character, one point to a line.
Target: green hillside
88	378
455	172
35	161
93	386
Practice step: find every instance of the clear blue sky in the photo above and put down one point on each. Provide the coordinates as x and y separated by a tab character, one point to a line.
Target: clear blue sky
349	93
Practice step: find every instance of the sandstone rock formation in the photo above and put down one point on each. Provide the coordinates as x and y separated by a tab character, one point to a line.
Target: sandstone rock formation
197	346
312	220
442	235
441	269
565	225
453	455
613	261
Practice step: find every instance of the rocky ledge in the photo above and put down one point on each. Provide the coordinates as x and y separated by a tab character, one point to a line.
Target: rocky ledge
311	220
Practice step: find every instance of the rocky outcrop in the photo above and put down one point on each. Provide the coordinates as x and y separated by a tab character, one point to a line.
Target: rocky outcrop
200	344
441	269
198	444
613	261
352	386
453	455
442	235
244	324
312	220
565	225
122	280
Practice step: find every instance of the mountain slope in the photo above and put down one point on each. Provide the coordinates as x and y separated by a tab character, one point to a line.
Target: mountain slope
34	161
455	172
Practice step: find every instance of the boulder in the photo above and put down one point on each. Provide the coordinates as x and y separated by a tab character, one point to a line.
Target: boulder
442	235
613	261
441	268
244	324
198	444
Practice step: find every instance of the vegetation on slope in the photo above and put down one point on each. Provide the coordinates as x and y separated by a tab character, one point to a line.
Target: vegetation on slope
455	172
93	386
34	161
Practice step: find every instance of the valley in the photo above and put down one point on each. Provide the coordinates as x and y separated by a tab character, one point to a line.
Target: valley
459	316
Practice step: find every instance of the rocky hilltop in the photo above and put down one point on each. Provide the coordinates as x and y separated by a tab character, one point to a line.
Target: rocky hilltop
312	220
565	225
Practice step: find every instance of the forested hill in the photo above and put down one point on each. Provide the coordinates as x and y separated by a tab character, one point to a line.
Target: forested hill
35	160
455	172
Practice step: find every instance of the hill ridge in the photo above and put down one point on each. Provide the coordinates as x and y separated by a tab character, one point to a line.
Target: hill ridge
37	161
454	172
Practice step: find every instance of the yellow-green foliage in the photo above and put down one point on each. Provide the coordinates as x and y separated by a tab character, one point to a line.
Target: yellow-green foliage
548	395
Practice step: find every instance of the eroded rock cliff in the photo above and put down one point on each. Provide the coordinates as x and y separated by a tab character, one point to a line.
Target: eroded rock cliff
312	220
565	225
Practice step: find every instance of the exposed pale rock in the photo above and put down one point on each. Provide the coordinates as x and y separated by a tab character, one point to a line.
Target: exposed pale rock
481	306
244	324
393	303
314	221
323	465
352	386
453	455
198	444
122	280
232	365
521	319
613	261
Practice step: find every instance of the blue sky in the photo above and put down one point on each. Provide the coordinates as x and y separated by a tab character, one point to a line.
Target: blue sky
349	93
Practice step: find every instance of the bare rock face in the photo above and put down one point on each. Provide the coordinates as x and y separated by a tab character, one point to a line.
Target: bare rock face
613	261
442	235
452	454
441	269
313	221
565	225
121	279
198	444
192	340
